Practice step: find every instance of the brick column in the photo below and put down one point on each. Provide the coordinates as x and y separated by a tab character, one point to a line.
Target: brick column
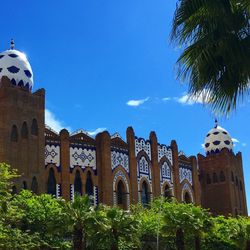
132	166
155	165
196	183
104	170
65	163
177	189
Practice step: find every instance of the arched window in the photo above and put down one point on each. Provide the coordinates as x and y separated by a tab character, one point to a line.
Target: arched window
167	192
232	176
187	198
14	190
34	185
34	127
121	195
14	134
144	194
89	185
24	131
208	179
215	178
78	183
236	181
24	185
222	176
51	185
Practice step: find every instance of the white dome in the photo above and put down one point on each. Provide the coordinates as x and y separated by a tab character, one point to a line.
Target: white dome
217	139
15	66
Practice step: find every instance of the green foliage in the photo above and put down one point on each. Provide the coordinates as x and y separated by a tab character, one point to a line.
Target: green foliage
115	229
42	222
215	36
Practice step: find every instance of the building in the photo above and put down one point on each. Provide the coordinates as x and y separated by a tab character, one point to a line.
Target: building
112	170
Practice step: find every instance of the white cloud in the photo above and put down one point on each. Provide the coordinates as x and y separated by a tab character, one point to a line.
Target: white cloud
201	98
235	140
53	122
165	99
95	132
203	145
243	144
135	103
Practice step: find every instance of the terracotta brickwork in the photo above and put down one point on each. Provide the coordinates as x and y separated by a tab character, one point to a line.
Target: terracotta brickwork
22	133
110	169
222	183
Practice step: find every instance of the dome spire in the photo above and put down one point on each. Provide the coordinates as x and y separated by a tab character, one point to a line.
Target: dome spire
216	123
12	44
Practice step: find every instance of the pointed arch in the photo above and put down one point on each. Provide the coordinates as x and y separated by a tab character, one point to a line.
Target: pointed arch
25	186
34	127
167	192
14	134
222	176
121	195
51	183
145	194
187	198
215	178
14	190
24	131
89	187
34	185
208	179
78	183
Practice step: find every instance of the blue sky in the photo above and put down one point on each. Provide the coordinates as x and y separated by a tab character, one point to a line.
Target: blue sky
109	65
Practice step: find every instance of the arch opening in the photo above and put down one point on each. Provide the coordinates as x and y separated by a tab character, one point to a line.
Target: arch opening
89	185
51	185
121	195
14	134
34	185
78	183
34	127
145	199
24	131
167	192
187	198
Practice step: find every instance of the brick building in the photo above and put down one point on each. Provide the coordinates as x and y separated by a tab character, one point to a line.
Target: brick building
110	169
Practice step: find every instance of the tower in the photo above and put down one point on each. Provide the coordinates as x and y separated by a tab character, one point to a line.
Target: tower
21	120
221	175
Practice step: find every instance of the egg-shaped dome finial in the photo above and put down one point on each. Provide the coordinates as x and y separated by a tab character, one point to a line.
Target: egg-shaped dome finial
217	139
12	44
15	65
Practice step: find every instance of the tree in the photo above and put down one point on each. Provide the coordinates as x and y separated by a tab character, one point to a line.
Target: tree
42	216
81	215
215	36
115	229
186	221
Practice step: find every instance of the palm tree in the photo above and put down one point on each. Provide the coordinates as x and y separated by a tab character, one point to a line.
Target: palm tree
80	214
115	229
215	36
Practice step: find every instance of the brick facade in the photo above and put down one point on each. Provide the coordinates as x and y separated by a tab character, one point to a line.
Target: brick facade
112	170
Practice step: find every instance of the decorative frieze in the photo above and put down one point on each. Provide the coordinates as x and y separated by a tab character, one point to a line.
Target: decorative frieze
82	157
185	173
164	150
52	154
142	145
119	159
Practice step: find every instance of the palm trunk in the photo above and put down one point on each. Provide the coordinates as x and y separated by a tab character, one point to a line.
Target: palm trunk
180	240
115	241
197	242
78	239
